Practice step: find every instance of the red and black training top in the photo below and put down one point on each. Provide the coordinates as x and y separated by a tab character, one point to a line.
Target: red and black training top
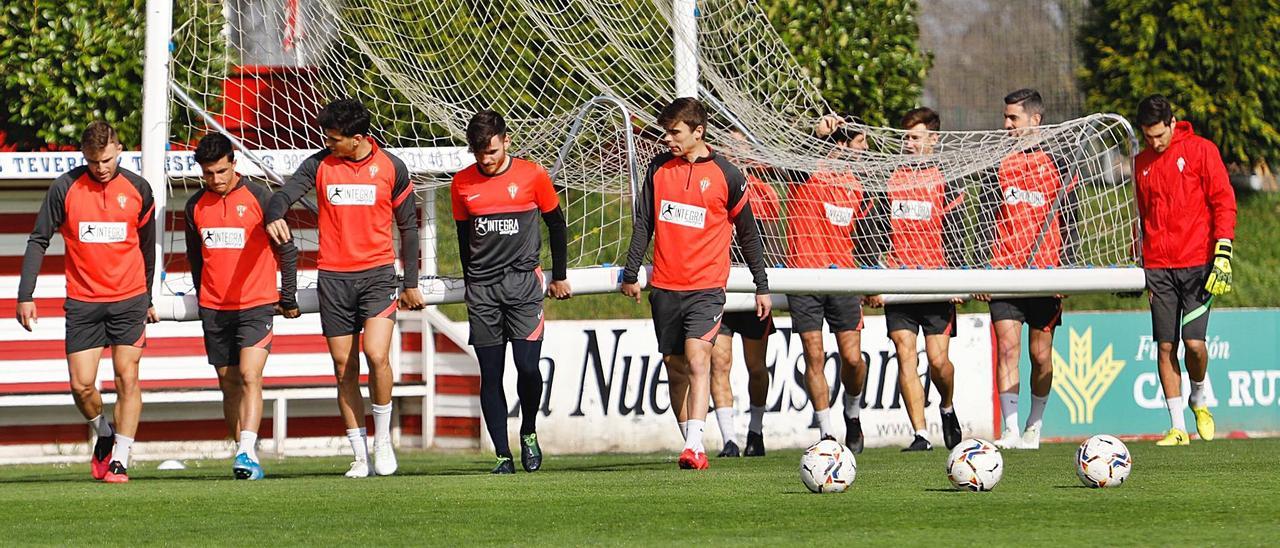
231	256
497	217
687	207
360	201
108	232
1031	210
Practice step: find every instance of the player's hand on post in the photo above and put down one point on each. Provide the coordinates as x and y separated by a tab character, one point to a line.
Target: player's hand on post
413	299
27	315
560	289
827	125
984	297
279	231
1219	281
957	300
764	305
631	290
152	316
873	301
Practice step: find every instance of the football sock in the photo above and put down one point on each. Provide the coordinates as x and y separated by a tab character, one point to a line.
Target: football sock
694	439
824	422
1175	413
527	354
382	422
1009	410
101	426
725	417
120	452
684	430
358	444
248	443
1036	416
947	410
1197	394
922	433
852	405
493	398
757	419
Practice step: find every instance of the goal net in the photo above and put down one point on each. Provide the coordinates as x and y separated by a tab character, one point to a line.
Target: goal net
580	83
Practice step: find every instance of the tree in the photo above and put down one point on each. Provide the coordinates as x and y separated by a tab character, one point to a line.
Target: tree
864	56
1218	62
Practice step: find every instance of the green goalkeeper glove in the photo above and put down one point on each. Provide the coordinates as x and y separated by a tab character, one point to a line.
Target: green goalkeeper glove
1219	281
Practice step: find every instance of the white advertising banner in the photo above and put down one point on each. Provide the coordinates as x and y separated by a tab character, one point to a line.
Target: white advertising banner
605	389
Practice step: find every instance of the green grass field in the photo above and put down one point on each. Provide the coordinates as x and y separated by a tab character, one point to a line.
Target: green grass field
1223	492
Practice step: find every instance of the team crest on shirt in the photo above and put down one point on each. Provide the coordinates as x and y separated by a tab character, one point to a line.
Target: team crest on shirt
512	189
122	200
1181	164
240	209
704	183
373	170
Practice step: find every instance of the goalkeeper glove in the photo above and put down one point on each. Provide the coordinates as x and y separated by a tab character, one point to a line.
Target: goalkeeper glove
1219	281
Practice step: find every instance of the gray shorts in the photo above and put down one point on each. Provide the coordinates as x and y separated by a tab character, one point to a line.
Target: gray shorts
746	323
346	302
507	309
681	315
228	331
1041	313
1177	296
932	318
95	325
842	312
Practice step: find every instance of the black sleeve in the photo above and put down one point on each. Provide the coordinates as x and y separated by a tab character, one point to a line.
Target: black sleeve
745	227
558	233
953	225
406	212
195	255
146	229
1068	213
464	245
872	231
52	213
298	185
286	254
989	200
641	226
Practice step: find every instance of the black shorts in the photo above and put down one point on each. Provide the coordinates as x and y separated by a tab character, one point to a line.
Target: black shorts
228	331
1041	313
95	325
933	318
1178	295
680	315
842	312
507	309
746	324
346	302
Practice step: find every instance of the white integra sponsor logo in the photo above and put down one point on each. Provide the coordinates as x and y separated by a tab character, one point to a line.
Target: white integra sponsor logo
682	214
1014	196
92	232
912	210
838	216
503	227
222	238
349	195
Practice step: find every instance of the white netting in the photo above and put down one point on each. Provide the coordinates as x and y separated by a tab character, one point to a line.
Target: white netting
263	68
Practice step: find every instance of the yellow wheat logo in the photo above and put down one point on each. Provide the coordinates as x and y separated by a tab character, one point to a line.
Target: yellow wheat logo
1082	381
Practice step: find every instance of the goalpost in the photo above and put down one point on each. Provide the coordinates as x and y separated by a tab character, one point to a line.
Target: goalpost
580	82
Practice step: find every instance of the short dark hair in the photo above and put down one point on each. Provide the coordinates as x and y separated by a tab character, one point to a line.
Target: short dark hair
483	127
214	147
922	115
1029	99
1154	110
850	130
97	135
346	116
685	109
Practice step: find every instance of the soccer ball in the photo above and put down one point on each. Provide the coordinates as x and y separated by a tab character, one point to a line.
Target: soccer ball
975	465
827	467
1103	461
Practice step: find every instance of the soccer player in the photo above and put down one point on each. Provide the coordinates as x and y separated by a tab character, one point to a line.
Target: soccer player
691	203
496	204
1188	212
822	216
234	269
364	191
1032	203
921	233
104	213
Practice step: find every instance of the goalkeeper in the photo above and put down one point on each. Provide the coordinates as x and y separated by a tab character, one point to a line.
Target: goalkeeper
1188	212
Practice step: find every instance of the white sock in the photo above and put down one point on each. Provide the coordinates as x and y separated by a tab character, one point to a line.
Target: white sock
1175	413
757	419
725	417
101	426
852	405
824	422
923	434
684	430
248	444
1009	410
1197	394
359	445
1036	416
382	422
694	439
947	410
121	450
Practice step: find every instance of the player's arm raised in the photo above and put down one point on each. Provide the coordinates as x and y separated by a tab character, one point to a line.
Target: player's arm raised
641	233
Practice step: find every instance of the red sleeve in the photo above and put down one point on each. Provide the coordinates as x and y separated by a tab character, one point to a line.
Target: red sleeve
459	206
1218	192
543	191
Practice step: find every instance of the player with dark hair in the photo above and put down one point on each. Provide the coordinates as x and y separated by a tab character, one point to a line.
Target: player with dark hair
105	214
366	191
690	205
1188	212
496	205
233	265
1031	205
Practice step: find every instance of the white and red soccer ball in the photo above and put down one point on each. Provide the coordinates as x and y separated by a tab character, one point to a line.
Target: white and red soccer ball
1103	461
828	467
975	465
